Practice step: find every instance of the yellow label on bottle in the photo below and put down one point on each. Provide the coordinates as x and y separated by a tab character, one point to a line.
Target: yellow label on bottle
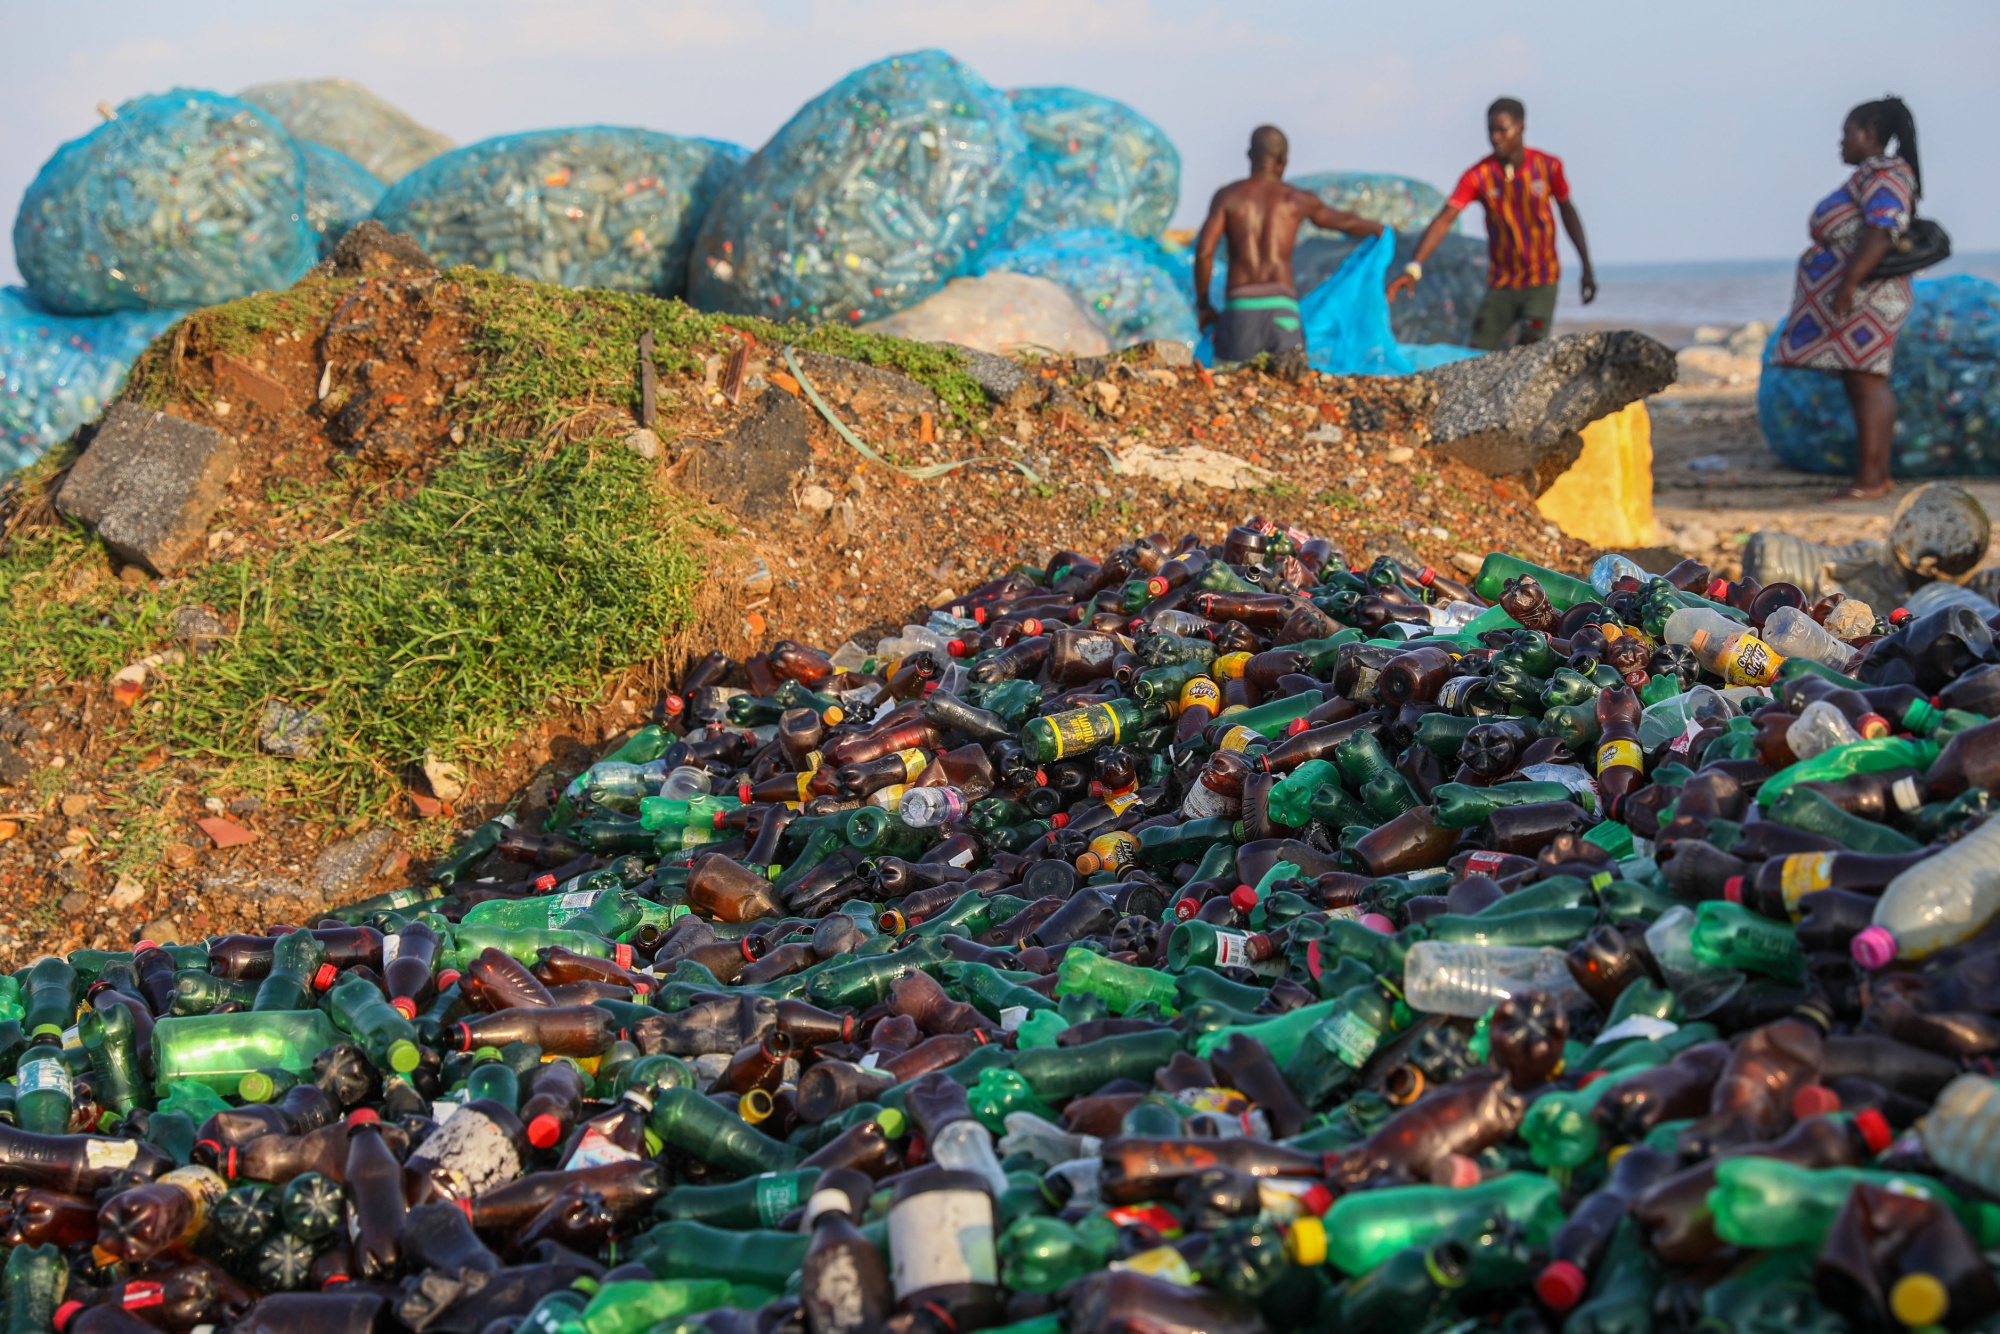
1163	1262
915	761
1614	753
1115	851
1201	691
1748	661
1239	738
1080	729
1228	666
1804	873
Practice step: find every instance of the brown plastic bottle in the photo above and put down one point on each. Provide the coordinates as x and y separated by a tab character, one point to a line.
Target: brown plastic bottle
920	996
828	1088
555	1096
1752	1099
1893	1260
374	1181
36	1216
1526	1036
1681	1088
1138	1169
727	891
1121	1301
627	1188
941	1230
139	1223
934	1054
809	1026
1621	765
760	1065
844	1285
1412	841
1604	963
279	1158
865	1147
1463	1117
496	980
910	731
408	960
1415	674
1247	1066
562	1030
555	965
1528	603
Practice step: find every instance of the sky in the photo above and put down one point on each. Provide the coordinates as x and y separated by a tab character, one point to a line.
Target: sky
1702	130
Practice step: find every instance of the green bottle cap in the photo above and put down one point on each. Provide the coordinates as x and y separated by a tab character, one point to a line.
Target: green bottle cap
256	1087
404	1056
891	1121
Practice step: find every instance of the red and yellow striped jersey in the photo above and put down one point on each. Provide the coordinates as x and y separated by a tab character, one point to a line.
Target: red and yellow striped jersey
1520	216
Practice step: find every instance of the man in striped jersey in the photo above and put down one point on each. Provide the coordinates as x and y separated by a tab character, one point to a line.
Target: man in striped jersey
1521	189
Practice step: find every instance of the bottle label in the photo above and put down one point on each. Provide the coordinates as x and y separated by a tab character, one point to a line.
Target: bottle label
1232	949
109	1155
1203	802
1804	873
1351	1038
44	1075
1614	753
392	949
141	1293
596	1149
1161	1262
1239	738
469	1154
1748	662
915	761
1485	863
777	1196
1904	793
203	1186
1364	684
942	1237
1079	729
1202	691
821	1201
1453	692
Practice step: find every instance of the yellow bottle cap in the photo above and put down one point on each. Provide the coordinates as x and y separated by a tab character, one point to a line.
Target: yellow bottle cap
1306	1242
1617	1151
891	1121
755	1106
1919	1299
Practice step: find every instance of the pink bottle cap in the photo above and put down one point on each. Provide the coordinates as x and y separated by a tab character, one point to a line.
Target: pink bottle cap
1732	889
1561	1285
1874	948
1375	921
1814	1100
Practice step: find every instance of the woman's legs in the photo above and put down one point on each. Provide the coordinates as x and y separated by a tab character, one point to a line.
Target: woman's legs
1875	423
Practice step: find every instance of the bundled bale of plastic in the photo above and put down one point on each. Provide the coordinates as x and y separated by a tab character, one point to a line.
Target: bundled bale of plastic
339	193
1092	162
57	372
183	199
903	174
597	206
1139	288
349	119
1946	378
1399	202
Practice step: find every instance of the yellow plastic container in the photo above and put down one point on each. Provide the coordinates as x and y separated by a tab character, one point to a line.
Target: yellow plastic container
1606	497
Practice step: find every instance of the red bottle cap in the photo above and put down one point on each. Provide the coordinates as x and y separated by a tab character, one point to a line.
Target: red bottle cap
1732	889
1186	908
64	1314
145	945
1317	1199
979	615
1313	965
465	1037
622	955
1874	1128
955	647
742	795
1296	726
1717	590
1872	725
1899	615
1874	948
1059	819
745	948
404	1006
544	1131
673	705
1030	628
448	978
544	883
1041	778
1426	577
1814	1100
1243	898
1561	1285
325	976
366	1116
1456	1171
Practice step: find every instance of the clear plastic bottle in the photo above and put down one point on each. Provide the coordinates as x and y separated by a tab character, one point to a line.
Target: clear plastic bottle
1820	728
965	1145
1936	903
1962	1132
1612	567
1175	621
686	782
1443	977
851	657
928	807
1670	717
1796	634
1944	594
1699	987
1724	647
1032	1134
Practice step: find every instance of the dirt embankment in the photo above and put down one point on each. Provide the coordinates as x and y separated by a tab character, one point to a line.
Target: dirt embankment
350	398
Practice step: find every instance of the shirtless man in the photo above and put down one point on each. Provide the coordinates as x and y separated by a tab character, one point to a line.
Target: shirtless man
1261	216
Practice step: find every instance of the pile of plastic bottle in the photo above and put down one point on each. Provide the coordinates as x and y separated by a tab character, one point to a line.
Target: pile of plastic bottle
1199	938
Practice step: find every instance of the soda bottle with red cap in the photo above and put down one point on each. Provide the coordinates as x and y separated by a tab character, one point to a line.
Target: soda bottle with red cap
1581	1246
409	958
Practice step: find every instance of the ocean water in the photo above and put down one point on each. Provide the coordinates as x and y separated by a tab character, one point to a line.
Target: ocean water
1673	299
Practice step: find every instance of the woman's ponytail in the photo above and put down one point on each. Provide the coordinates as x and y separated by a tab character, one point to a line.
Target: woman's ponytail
1890	119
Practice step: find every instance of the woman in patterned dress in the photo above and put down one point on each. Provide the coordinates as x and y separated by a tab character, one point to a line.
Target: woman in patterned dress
1841	320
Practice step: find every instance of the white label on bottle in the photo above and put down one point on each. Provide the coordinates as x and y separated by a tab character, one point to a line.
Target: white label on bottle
942	1237
469	1154
1203	801
101	1155
392	949
1232	949
962	858
595	1149
821	1201
72	1039
1904	790
46	1073
1639	1026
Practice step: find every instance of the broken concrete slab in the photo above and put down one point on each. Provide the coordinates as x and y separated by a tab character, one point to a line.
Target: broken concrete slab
1191	465
1521	411
856	390
1005	380
348	865
148	484
752	470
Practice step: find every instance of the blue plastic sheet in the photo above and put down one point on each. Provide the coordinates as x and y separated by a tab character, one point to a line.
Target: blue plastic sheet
1139	288
339	193
1403	203
598	206
1092	162
1946	378
185	199
901	176
58	372
1346	321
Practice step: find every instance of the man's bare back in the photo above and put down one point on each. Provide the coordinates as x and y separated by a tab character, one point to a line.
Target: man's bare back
1261	217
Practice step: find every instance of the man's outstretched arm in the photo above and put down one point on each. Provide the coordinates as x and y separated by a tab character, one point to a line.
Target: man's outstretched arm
1204	262
1322	214
1573	224
1427	246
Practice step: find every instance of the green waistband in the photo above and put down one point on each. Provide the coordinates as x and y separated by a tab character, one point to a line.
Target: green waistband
1261	303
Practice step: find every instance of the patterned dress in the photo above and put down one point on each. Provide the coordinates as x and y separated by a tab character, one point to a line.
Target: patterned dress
1881	193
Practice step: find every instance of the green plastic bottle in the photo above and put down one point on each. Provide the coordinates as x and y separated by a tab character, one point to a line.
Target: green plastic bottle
1809	809
360	1008
691	1121
990	990
1281	1035
219	1049
1462	806
1290	799
1565	591
45	1089
685	1248
49	997
1076	732
1189	841
1334	1049
1874	755
1728	935
865	980
1547	926
465	942
1767	1203
1068	1072
1121	985
998	1092
1367	1227
477	844
633	1306
111	1038
1622	1288
1041	1254
37	1278
759	1201
296	962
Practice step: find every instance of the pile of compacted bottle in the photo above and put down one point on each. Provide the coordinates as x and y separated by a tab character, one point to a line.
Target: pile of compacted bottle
1213	939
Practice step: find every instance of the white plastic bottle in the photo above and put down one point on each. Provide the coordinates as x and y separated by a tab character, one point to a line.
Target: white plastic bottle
1962	1132
1819	729
928	807
967	1146
1449	977
1796	634
1724	647
1936	903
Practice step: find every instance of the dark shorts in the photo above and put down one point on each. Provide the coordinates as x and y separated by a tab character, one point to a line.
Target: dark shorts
1505	307
1253	324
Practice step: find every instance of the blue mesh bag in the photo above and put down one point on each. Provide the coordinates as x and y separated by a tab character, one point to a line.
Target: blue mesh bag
1946	378
185	199
900	176
1139	288
1092	162
1401	203
349	119
597	206
339	193
59	371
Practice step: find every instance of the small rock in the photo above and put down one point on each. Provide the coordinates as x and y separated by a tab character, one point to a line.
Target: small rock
126	894
199	626
1465	562
815	500
446	780
346	866
214	805
1166	352
75	804
75	903
1400	454
161	931
179	856
643	443
14	766
758	581
291	732
1104	394
1324	434
148	484
245	806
